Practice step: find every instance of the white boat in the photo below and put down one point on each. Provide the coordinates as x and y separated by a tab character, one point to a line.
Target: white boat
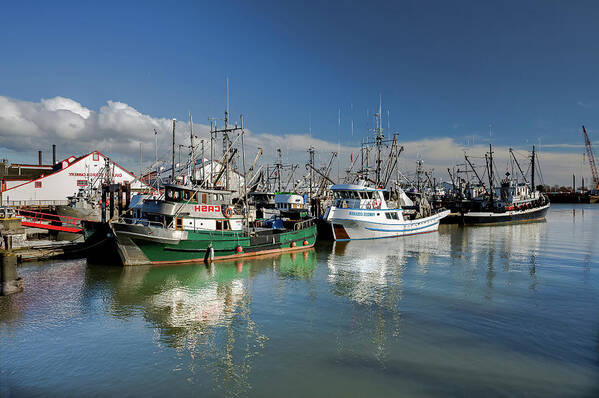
287	205
361	212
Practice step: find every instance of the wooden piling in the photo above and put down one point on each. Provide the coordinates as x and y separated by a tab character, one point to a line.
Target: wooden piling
9	279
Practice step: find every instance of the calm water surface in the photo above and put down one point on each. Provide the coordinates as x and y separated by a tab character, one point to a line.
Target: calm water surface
480	311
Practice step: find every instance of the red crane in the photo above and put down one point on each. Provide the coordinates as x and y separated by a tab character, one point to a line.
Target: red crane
587	144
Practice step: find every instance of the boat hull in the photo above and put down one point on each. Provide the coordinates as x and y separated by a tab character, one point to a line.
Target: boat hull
484	218
347	226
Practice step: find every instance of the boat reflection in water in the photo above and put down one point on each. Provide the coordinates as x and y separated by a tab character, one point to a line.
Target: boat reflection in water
385	278
203	311
371	274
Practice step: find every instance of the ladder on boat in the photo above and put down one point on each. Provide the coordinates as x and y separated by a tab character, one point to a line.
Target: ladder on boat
54	222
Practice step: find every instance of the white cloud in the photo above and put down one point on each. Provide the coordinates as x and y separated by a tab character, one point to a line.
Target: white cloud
586	105
117	129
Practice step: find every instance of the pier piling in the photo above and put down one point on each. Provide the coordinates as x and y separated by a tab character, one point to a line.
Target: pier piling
111	213
9	280
104	189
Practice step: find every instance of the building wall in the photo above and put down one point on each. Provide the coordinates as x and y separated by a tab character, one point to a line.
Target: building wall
54	189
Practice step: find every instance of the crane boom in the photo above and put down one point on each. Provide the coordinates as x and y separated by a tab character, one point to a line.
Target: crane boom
587	144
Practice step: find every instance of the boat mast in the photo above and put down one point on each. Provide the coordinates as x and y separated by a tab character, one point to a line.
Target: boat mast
532	172
245	182
491	174
311	152
279	167
192	151
379	139
226	142
173	153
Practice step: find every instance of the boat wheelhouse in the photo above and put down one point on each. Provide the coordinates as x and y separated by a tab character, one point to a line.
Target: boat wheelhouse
361	212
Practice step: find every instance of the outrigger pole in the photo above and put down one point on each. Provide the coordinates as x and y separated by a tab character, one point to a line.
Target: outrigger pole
518	164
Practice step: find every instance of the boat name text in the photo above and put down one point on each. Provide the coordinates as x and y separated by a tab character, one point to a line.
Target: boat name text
204	208
360	213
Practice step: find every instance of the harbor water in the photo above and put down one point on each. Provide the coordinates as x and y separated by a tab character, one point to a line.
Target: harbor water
489	311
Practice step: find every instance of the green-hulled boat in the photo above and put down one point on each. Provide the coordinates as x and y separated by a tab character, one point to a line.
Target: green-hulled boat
191	225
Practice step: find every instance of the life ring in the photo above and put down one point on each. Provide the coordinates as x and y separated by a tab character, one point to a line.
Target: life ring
228	212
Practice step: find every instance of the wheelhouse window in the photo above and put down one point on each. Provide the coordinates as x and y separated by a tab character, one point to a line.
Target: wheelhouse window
204	198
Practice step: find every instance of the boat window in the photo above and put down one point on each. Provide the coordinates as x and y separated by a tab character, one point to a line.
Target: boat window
169	194
394	216
179	223
226	225
176	195
204	198
186	195
388	215
219	225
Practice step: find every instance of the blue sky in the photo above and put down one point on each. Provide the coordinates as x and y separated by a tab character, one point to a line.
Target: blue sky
444	69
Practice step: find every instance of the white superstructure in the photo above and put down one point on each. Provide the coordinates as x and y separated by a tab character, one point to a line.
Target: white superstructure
286	202
361	212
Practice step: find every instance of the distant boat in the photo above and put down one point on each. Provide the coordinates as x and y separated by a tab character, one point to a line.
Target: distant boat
361	212
511	201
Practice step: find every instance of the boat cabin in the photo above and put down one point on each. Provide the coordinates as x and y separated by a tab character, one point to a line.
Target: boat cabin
193	209
358	197
289	201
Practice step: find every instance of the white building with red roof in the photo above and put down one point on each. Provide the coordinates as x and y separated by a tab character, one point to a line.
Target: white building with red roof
73	173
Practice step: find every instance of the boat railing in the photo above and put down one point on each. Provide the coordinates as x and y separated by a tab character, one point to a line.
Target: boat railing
141	221
303	224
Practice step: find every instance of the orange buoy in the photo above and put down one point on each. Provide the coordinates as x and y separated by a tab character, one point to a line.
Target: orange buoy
239	249
305	243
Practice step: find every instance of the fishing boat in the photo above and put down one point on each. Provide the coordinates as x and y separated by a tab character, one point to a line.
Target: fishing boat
83	205
189	225
361	212
511	201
